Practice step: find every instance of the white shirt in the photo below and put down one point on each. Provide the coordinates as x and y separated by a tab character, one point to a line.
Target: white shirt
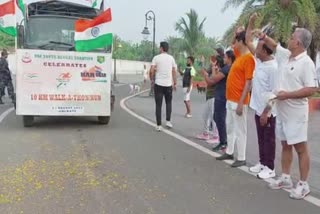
263	84
164	64
294	74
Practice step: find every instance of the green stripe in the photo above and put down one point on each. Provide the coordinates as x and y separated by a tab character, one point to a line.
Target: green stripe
9	30
99	42
21	6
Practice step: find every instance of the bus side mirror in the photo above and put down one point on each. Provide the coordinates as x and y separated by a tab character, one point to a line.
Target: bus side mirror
20	37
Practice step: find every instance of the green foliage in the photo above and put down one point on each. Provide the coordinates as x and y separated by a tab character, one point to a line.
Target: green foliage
191	30
6	41
300	12
132	51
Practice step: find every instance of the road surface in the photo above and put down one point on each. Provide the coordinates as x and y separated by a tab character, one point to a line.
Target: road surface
74	165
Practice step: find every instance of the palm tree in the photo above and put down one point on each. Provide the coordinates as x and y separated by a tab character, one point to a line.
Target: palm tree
280	13
191	31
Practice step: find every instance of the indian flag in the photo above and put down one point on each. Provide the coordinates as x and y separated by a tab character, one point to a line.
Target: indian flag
7	17
93	34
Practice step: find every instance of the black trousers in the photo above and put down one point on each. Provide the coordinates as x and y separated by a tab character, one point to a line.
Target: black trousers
219	117
159	93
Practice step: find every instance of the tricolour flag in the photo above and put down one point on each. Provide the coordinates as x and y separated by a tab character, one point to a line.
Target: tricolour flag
7	17
20	5
93	34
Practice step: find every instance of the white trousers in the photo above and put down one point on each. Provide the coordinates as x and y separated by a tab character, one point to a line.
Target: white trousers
209	124
236	130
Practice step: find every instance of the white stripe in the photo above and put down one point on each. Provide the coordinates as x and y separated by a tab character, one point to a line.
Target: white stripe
309	198
5	114
104	28
8	20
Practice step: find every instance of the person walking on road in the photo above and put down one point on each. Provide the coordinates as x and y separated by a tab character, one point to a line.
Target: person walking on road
5	77
164	68
263	86
188	73
296	81
237	94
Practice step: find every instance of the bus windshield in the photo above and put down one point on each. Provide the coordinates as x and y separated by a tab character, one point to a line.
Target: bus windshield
50	33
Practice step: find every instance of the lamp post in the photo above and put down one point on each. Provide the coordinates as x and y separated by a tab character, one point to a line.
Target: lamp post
146	31
116	46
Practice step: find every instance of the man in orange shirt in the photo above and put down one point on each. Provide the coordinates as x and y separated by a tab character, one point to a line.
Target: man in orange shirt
237	94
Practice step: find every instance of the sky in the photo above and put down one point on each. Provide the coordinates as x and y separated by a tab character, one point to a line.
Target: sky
129	17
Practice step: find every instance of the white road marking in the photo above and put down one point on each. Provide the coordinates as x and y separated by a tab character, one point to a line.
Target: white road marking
309	198
5	114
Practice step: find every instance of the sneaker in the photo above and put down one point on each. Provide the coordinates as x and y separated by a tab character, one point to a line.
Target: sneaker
188	115
225	156
215	134
169	125
266	173
281	183
203	136
257	168
219	147
238	163
213	141
301	191
158	128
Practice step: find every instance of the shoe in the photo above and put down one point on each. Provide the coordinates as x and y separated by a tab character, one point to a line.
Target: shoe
225	156
238	163
158	128
213	141
281	183
203	136
188	116
214	134
301	191
266	173
169	125
219	147
257	168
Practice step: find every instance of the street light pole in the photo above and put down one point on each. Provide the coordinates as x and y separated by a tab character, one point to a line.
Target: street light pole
146	30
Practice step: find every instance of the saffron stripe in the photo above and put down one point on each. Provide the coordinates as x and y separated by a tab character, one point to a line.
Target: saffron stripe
82	25
7	8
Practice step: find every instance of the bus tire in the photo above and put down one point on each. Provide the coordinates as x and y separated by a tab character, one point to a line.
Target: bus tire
104	120
28	121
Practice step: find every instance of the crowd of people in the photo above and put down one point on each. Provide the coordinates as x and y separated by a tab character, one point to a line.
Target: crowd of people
272	80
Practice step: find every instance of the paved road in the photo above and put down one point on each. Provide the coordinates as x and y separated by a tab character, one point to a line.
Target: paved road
144	105
73	165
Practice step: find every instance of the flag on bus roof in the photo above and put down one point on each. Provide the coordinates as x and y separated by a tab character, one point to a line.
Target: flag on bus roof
7	17
94	34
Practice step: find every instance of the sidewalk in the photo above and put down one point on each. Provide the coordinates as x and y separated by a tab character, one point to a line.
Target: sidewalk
144	106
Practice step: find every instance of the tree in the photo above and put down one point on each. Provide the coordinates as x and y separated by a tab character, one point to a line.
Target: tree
191	31
282	14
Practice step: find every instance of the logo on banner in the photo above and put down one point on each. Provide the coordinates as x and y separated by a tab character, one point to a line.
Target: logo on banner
94	74
63	79
101	59
26	58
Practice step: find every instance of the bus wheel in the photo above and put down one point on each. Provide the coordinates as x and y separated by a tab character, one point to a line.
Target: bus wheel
104	120
28	121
